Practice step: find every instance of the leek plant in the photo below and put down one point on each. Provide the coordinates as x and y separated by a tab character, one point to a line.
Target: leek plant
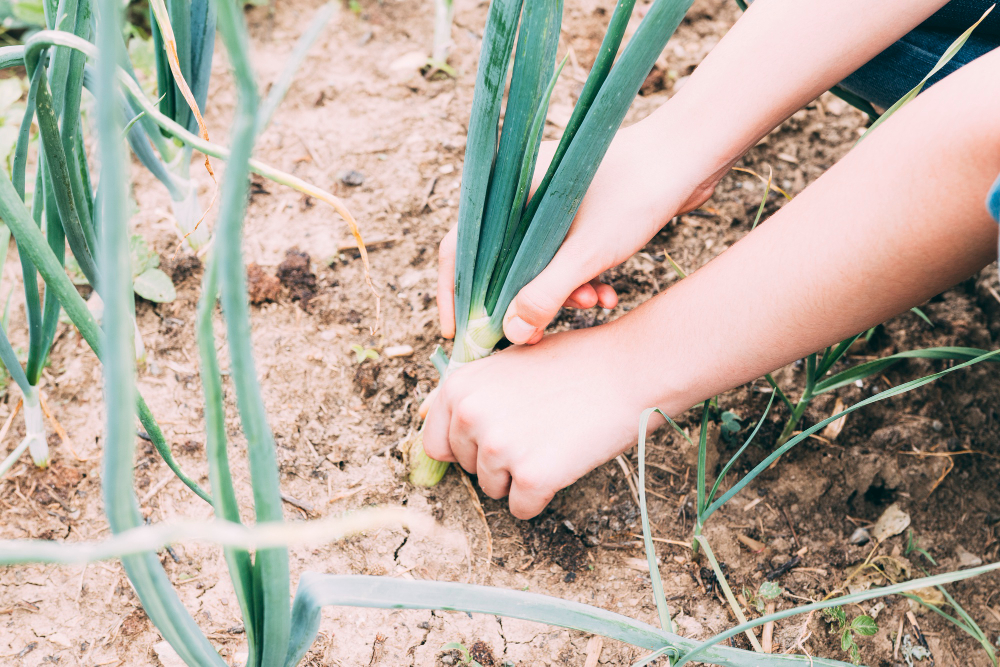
183	33
818	365
184	42
64	198
504	239
444	14
61	199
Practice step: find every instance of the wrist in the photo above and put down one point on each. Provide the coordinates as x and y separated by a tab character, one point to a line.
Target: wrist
652	373
675	157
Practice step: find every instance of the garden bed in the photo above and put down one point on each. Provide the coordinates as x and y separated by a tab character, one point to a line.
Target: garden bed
363	122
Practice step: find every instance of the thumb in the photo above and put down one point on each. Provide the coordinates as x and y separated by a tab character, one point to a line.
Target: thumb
540	300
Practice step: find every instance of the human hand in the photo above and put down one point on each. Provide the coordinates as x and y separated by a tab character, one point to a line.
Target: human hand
488	416
641	184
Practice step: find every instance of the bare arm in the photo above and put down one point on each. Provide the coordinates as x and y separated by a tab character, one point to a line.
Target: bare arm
898	220
779	56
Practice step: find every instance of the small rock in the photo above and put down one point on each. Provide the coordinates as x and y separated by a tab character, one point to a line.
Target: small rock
937	426
167	655
966	558
449	659
409	62
892	522
688	626
397	351
860	536
351	177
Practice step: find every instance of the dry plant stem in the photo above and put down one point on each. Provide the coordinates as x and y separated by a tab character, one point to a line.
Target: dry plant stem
767	635
216	531
467	483
57	427
595	645
16	454
170	45
728	592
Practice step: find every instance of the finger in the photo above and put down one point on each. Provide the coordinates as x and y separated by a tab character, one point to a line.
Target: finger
436	430
428	402
607	297
446	283
584	296
539	301
494	483
527	499
462	444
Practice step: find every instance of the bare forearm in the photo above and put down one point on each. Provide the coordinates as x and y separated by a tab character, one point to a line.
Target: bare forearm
899	220
779	56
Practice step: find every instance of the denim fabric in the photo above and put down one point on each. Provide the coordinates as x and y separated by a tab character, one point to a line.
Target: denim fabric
892	73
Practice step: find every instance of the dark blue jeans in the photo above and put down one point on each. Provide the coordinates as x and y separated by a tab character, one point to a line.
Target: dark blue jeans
892	73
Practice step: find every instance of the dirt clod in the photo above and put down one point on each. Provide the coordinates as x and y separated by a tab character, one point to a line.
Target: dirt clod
181	267
135	623
366	379
549	537
483	654
654	82
295	274
263	287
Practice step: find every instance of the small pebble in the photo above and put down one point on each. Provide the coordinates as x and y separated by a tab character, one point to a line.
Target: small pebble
937	426
967	559
397	351
860	536
351	177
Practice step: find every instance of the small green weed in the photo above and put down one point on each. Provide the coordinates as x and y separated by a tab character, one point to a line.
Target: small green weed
730	424
466	655
864	626
363	354
767	592
912	545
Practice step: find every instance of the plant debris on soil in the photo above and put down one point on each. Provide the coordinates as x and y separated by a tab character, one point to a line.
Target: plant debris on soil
262	287
339	425
295	274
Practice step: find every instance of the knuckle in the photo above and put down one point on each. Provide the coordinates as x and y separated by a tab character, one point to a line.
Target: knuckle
530	481
447	246
490	448
465	415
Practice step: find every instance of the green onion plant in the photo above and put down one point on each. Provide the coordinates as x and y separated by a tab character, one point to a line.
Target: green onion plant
444	14
505	239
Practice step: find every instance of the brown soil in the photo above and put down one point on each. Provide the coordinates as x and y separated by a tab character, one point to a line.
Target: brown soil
338	426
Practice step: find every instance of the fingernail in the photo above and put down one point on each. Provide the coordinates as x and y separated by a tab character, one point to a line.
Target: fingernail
518	331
